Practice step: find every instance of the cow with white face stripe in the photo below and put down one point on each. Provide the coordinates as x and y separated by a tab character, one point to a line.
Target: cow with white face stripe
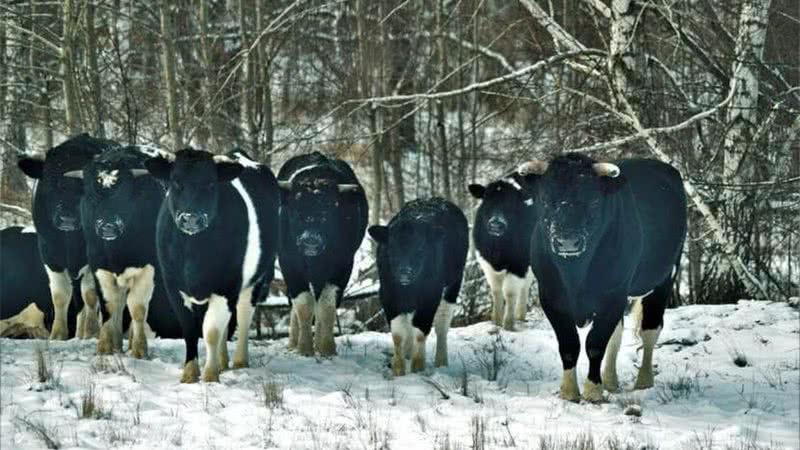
119	224
323	222
216	238
502	234
605	232
58	225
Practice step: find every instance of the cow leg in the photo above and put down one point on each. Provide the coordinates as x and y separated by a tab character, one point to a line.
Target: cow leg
324	342
61	293
140	283
610	380
403	339
651	322
441	325
293	329
222	350
512	290
569	347
215	323
303	306
418	355
89	325
191	334
244	317
603	326
521	311
495	280
110	339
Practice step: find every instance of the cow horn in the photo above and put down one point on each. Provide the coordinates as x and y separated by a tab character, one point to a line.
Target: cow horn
74	174
222	159
348	187
139	172
533	167
285	185
605	169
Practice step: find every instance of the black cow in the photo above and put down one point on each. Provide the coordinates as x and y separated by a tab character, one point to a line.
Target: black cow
23	282
323	222
502	235
605	232
118	216
216	238
421	258
57	220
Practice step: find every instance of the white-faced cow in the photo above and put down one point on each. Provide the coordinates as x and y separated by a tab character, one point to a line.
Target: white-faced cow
118	215
216	238
605	232
58	226
323	222
502	235
421	258
25	306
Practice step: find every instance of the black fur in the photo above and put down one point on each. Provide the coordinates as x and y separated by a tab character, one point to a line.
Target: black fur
421	258
625	234
210	260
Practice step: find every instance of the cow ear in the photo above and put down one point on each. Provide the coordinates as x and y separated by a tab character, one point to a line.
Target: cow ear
228	171
477	190
380	233
31	167
159	167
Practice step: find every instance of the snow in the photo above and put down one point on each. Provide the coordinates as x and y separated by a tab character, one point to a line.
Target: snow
352	401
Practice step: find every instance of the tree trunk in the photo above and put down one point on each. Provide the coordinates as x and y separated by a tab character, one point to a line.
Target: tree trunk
168	63
72	114
440	118
94	71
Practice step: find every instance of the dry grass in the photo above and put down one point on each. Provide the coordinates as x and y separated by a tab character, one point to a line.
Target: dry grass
47	434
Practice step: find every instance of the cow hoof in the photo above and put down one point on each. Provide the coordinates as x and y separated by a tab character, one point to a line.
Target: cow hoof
240	364
642	384
211	376
418	365
611	385
58	334
569	387
398	367
191	373
327	349
593	392
105	345
508	326
521	317
440	361
139	353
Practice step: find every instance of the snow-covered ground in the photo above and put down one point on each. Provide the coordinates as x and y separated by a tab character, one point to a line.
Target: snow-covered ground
702	399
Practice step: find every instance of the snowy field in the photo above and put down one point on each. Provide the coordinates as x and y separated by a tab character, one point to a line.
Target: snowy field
499	392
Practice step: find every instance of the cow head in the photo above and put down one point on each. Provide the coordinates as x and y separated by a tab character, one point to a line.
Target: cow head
109	191
58	196
193	181
312	208
574	194
504	203
408	247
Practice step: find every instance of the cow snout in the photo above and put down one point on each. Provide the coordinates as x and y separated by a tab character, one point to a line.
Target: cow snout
497	225
109	229
311	243
568	244
405	274
66	220
191	223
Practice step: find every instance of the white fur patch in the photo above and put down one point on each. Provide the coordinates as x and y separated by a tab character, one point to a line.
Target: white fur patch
528	202
402	326
154	151
252	252
188	301
513	183
29	229
246	162
108	178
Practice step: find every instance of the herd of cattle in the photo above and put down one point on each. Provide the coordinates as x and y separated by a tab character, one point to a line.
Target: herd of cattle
131	237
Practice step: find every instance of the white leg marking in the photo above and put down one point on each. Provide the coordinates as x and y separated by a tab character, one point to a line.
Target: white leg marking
61	293
512	291
110	339
569	386
139	284
441	324
418	355
215	323
90	322
324	342
645	378
303	306
244	317
592	392
403	339
610	381
294	329
252	253
495	280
